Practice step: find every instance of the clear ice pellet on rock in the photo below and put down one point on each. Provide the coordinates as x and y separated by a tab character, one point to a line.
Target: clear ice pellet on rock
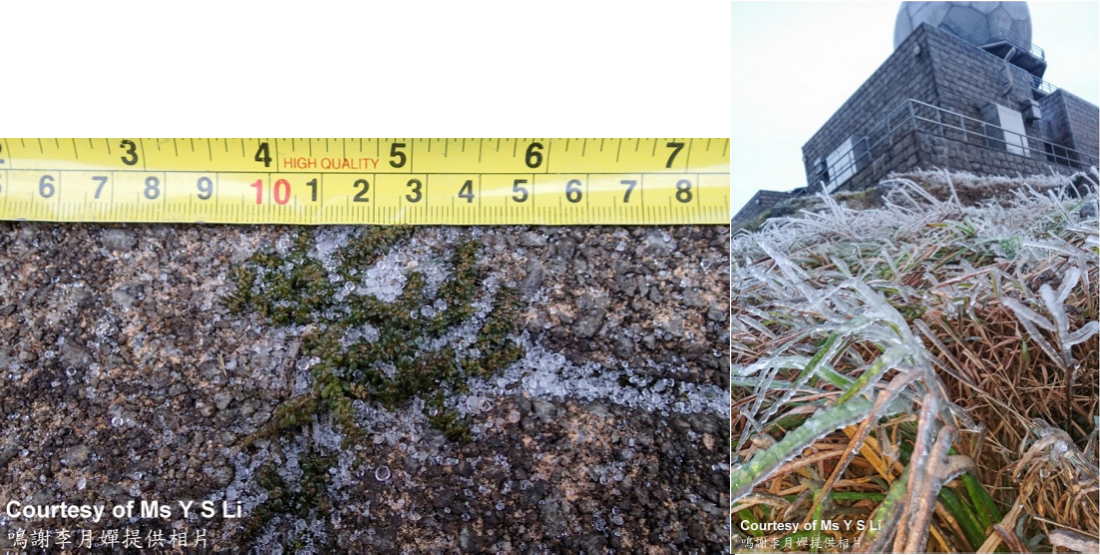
382	473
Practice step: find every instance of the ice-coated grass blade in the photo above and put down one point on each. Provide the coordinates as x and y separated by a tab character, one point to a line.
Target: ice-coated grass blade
819	511
823	422
883	363
885	517
998	277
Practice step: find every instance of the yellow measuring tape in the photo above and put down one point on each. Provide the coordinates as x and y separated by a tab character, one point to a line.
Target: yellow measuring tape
367	181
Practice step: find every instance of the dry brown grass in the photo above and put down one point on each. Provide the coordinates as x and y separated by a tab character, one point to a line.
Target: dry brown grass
991	311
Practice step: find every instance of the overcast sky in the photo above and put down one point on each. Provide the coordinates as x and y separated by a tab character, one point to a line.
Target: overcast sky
795	63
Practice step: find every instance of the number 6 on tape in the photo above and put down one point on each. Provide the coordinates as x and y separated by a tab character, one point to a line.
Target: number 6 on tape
367	181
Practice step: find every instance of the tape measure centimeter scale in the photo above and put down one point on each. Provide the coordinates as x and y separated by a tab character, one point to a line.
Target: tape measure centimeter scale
367	181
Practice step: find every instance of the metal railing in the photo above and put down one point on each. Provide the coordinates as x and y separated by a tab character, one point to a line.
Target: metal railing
1042	86
1001	34
914	115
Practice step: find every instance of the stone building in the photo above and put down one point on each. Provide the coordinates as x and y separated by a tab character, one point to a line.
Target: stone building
963	90
761	202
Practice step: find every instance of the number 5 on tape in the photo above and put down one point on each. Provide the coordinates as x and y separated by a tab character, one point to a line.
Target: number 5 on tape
367	181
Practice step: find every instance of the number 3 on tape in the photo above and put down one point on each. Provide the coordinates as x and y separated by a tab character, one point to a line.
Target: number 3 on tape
367	181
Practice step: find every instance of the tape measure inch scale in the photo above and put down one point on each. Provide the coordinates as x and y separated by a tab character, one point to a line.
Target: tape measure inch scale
367	181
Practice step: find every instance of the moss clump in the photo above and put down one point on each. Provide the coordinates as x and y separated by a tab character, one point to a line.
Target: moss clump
396	366
244	278
389	370
459	292
289	289
307	501
369	246
447	421
496	348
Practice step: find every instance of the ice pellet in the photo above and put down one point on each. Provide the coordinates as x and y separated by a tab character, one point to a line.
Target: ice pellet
382	473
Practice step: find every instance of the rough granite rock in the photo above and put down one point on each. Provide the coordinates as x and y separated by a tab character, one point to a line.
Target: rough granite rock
125	376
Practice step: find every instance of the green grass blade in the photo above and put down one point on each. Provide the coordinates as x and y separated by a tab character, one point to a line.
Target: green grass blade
823	422
885	516
824	351
988	514
857	496
975	534
880	366
818	518
747	516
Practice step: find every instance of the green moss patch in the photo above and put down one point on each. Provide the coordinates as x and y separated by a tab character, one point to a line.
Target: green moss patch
393	368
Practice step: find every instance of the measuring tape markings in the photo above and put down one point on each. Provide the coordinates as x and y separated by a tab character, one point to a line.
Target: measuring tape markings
423	181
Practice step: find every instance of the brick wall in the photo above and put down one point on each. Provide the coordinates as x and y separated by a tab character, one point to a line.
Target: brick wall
900	77
915	149
968	78
902	152
1055	124
948	72
758	204
1071	122
938	151
1084	123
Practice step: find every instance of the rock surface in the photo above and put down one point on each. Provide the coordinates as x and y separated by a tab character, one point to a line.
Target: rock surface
125	376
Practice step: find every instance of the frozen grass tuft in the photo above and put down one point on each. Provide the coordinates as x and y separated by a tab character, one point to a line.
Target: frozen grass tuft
924	358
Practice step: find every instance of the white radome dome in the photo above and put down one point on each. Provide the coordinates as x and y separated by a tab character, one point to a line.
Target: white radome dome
969	20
